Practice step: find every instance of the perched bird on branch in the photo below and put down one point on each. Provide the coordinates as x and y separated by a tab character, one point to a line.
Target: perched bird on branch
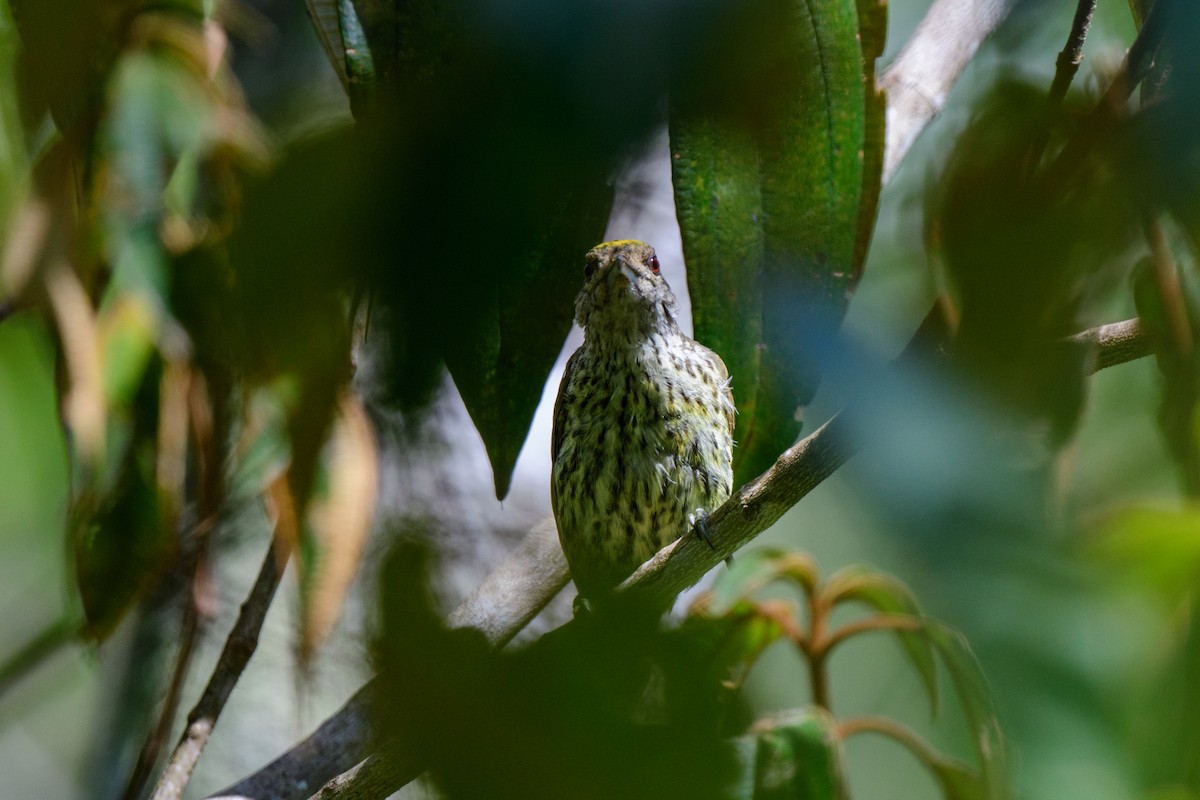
643	423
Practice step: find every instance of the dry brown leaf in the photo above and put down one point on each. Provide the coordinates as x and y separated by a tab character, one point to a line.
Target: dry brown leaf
339	520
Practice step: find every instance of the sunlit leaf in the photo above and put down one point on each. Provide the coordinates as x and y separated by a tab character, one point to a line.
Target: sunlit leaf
83	404
888	595
798	757
775	211
128	332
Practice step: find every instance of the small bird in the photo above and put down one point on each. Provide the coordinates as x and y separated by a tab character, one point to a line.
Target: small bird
643	423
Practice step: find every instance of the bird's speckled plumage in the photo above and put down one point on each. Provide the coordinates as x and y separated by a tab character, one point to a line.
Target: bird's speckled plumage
643	423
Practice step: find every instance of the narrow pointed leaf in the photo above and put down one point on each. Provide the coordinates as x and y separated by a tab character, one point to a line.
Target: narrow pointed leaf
511	337
338	522
974	697
756	568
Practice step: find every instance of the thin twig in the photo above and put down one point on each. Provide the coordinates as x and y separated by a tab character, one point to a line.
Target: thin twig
1137	63
1071	56
374	778
152	747
1116	343
240	645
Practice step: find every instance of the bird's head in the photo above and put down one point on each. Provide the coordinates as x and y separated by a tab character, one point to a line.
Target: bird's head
624	288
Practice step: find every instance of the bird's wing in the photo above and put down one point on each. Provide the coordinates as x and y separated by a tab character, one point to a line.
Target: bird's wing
729	415
560	423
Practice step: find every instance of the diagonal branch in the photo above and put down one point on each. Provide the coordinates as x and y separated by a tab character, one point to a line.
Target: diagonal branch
1068	61
536	571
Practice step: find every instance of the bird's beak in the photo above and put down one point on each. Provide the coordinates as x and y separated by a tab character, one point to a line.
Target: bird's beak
621	268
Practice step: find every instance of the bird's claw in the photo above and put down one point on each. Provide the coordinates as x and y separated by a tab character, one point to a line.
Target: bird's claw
699	522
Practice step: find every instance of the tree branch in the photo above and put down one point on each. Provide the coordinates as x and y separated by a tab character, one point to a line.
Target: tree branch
536	571
1116	343
918	82
1071	56
240	645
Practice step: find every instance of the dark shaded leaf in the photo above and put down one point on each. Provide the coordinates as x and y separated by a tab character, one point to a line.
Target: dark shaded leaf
602	708
120	543
509	344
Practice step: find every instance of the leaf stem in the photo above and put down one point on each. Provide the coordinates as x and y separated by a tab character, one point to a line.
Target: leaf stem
875	622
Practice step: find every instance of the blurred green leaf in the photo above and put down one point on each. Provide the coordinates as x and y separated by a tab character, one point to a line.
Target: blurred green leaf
975	699
958	781
120	545
1156	548
13	158
1030	249
888	595
738	636
756	568
798	756
127	331
775	211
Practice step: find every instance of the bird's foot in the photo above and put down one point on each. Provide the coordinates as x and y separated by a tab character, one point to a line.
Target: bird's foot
698	519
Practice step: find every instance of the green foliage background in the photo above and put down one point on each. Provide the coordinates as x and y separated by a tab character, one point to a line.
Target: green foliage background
1091	658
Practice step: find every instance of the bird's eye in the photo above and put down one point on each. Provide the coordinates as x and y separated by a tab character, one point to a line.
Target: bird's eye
589	268
653	262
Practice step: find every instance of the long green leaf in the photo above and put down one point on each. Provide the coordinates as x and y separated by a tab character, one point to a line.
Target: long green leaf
775	208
